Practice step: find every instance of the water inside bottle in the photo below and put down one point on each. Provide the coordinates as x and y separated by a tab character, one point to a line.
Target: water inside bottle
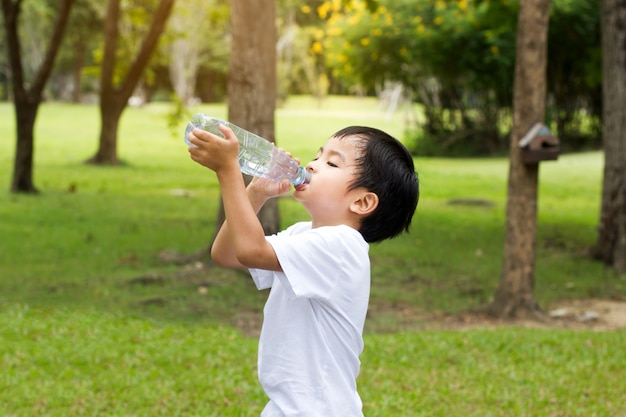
257	156
253	163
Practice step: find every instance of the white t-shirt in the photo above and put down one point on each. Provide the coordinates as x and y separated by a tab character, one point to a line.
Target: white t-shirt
312	332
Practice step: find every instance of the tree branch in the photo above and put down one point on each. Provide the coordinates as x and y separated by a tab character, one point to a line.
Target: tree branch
57	36
147	47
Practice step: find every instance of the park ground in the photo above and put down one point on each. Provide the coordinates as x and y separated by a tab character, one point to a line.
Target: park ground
590	314
579	314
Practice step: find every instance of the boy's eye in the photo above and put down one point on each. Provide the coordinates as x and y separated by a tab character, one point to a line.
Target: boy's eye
331	164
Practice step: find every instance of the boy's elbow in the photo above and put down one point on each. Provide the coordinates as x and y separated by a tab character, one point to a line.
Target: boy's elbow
247	259
246	255
222	259
259	255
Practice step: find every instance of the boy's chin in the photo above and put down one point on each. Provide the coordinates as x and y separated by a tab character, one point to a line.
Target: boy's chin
299	194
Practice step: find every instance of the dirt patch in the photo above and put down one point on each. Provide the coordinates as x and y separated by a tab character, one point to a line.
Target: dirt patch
586	314
594	313
589	314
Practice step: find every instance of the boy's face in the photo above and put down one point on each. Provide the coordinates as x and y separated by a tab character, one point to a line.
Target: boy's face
327	197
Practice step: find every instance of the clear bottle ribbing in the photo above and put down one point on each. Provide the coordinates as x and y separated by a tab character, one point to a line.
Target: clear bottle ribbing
257	156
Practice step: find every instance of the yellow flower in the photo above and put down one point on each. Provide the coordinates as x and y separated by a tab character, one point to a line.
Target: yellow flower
334	31
365	41
462	4
323	10
438	20
305	9
317	48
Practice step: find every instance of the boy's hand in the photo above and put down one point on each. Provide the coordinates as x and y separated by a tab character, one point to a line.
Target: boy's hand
220	154
266	189
214	152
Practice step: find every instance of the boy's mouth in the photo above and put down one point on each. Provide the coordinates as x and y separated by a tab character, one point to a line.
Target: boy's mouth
300	187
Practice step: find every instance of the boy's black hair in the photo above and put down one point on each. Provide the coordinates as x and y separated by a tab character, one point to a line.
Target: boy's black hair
384	167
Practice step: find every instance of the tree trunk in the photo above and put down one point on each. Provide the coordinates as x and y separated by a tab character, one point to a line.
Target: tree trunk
27	100
252	81
611	244
514	296
113	96
22	181
107	144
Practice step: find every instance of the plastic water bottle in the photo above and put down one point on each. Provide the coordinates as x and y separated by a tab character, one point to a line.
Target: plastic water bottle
257	156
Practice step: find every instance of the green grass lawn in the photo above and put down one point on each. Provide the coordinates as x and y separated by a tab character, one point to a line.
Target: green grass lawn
65	363
94	322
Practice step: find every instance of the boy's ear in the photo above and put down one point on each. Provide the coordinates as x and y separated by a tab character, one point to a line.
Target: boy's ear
365	204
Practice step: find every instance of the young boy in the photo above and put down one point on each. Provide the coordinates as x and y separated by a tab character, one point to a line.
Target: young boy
363	189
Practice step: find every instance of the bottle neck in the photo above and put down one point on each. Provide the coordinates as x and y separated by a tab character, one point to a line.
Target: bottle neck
304	177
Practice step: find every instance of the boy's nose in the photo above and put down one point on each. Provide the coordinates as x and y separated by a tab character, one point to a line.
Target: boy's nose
309	166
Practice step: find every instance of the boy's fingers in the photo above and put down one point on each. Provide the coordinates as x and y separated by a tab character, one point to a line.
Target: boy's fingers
228	132
285	185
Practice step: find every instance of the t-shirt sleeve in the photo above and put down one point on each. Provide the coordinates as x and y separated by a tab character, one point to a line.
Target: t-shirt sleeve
313	262
262	278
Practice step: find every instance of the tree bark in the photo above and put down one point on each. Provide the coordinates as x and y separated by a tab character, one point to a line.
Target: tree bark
27	100
113	99
514	296
611	244
252	82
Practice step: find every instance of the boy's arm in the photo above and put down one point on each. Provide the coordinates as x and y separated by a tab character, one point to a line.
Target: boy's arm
241	240
223	249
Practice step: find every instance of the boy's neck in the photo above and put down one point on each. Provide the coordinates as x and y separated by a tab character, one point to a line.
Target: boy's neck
350	222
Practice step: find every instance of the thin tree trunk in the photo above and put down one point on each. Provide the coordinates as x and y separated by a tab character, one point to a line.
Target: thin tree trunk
113	98
514	296
22	181
107	142
27	100
611	244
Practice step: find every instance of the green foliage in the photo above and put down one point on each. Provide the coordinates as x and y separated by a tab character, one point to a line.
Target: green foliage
301	65
403	41
575	72
457	58
79	50
203	26
35	23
